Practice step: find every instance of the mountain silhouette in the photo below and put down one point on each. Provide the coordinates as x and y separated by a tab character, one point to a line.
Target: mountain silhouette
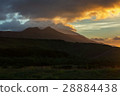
47	33
32	29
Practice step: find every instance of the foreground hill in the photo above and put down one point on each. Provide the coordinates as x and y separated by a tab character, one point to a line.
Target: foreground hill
57	54
47	33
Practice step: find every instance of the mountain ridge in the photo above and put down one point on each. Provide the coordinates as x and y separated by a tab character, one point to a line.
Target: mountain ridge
46	33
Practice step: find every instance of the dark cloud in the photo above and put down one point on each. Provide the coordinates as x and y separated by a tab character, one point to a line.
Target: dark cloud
115	41
116	38
68	9
5	8
98	39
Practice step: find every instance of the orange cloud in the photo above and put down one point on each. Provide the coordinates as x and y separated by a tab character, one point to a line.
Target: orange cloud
100	12
86	12
109	41
57	20
61	12
64	11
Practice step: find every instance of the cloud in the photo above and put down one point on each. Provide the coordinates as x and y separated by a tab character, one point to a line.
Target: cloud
98	39
16	25
59	12
13	25
116	38
115	41
96	26
67	10
5	8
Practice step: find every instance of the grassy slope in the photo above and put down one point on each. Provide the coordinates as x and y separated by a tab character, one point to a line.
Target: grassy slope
61	59
28	52
48	73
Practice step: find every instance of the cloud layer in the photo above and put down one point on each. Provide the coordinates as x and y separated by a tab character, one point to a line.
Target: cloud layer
97	26
68	10
115	41
60	11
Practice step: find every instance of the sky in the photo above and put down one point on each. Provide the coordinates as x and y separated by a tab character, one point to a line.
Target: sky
98	20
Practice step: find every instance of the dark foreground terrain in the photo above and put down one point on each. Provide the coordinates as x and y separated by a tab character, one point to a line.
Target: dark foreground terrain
57	59
36	73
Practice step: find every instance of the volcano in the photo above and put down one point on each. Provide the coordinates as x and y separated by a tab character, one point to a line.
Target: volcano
47	33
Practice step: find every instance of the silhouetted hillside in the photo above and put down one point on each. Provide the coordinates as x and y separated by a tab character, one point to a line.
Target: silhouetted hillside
47	33
57	54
